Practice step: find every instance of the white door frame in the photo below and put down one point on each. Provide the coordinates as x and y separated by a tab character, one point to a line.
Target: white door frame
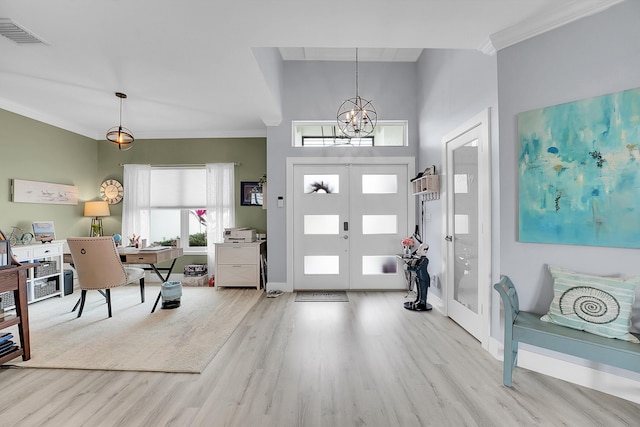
291	161
480	120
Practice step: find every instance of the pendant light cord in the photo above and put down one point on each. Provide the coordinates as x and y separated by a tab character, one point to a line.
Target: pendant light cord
356	73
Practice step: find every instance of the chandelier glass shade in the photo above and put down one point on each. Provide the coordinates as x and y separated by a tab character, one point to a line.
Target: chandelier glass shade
356	116
119	135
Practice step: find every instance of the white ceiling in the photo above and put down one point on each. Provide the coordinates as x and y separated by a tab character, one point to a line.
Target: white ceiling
189	68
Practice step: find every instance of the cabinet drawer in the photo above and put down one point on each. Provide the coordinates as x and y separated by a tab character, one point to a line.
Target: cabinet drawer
22	253
141	258
46	251
237	255
237	275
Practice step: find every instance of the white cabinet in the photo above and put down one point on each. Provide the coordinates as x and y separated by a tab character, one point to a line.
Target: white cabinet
239	264
46	278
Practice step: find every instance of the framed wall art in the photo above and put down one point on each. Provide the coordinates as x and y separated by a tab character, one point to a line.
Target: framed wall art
44	231
24	191
579	172
250	194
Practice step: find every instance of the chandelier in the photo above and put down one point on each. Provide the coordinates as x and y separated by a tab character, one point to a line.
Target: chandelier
119	135
356	116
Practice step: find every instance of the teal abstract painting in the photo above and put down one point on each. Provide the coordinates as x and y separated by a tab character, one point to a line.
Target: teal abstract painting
579	172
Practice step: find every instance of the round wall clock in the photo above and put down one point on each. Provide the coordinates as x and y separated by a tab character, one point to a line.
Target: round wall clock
111	191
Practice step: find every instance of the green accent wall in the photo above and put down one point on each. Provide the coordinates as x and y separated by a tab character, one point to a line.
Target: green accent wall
36	151
249	153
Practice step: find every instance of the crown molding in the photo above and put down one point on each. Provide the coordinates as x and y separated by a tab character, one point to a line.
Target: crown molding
253	133
45	118
548	21
487	47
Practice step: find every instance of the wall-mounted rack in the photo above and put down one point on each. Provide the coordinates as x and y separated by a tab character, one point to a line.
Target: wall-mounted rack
427	184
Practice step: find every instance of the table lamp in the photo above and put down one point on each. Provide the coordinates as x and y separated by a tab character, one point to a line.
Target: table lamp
96	209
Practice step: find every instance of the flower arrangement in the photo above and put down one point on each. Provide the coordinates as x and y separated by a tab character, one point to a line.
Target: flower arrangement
408	242
134	240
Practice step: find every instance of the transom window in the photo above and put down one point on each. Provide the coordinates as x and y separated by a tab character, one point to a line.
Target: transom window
327	134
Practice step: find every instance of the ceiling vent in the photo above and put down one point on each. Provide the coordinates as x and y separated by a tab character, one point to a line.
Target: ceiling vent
11	30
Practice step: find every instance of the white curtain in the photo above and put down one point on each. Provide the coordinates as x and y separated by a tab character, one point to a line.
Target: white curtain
136	202
220	206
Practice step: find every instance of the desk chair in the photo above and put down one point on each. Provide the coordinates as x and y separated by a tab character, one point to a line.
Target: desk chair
98	265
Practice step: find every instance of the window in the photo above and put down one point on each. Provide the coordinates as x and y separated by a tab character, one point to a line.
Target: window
327	134
162	203
178	207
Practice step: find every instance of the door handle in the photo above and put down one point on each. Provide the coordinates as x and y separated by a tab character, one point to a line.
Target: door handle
345	237
448	239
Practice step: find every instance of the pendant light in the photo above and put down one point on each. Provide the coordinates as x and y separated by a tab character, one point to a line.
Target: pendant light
356	116
119	135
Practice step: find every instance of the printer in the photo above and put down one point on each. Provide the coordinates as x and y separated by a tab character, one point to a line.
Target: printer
239	235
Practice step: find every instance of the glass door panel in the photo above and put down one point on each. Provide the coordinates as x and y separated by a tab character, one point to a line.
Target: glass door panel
463	292
465	230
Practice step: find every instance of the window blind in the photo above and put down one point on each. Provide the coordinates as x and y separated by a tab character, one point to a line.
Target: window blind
178	188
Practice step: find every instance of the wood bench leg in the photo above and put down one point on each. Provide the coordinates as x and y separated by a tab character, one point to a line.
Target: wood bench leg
510	360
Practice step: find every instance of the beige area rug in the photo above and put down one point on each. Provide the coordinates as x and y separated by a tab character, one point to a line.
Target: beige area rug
184	339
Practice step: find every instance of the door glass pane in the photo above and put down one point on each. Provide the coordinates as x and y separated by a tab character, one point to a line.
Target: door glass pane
465	205
460	184
461	224
321	264
321	224
379	184
376	264
321	184
379	224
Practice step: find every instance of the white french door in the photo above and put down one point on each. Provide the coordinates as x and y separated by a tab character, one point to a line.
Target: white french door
468	208
348	222
321	227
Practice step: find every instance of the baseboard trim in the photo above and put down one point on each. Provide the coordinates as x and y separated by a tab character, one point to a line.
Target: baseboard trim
606	382
436	302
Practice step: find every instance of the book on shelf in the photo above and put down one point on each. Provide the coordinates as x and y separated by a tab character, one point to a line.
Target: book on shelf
5	337
6	345
8	350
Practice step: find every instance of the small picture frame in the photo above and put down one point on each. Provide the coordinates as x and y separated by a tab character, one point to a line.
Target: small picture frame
43	231
5	254
250	193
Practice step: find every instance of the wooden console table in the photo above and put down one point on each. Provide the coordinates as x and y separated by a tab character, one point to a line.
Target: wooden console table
15	279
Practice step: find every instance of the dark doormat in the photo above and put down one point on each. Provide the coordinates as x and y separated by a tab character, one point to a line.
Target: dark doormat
322	296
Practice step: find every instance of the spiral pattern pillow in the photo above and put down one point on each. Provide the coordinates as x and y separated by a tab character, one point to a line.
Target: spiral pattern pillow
600	305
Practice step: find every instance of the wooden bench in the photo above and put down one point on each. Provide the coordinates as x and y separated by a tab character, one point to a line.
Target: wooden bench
526	327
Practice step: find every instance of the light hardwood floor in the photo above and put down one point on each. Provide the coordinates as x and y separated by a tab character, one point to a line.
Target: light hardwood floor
368	362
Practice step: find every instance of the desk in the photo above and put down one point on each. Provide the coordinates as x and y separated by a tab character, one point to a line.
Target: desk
15	279
152	257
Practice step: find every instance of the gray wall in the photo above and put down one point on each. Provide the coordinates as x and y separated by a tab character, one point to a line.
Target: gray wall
314	91
454	86
594	56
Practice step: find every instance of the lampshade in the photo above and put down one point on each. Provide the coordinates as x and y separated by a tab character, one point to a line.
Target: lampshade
96	208
119	135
